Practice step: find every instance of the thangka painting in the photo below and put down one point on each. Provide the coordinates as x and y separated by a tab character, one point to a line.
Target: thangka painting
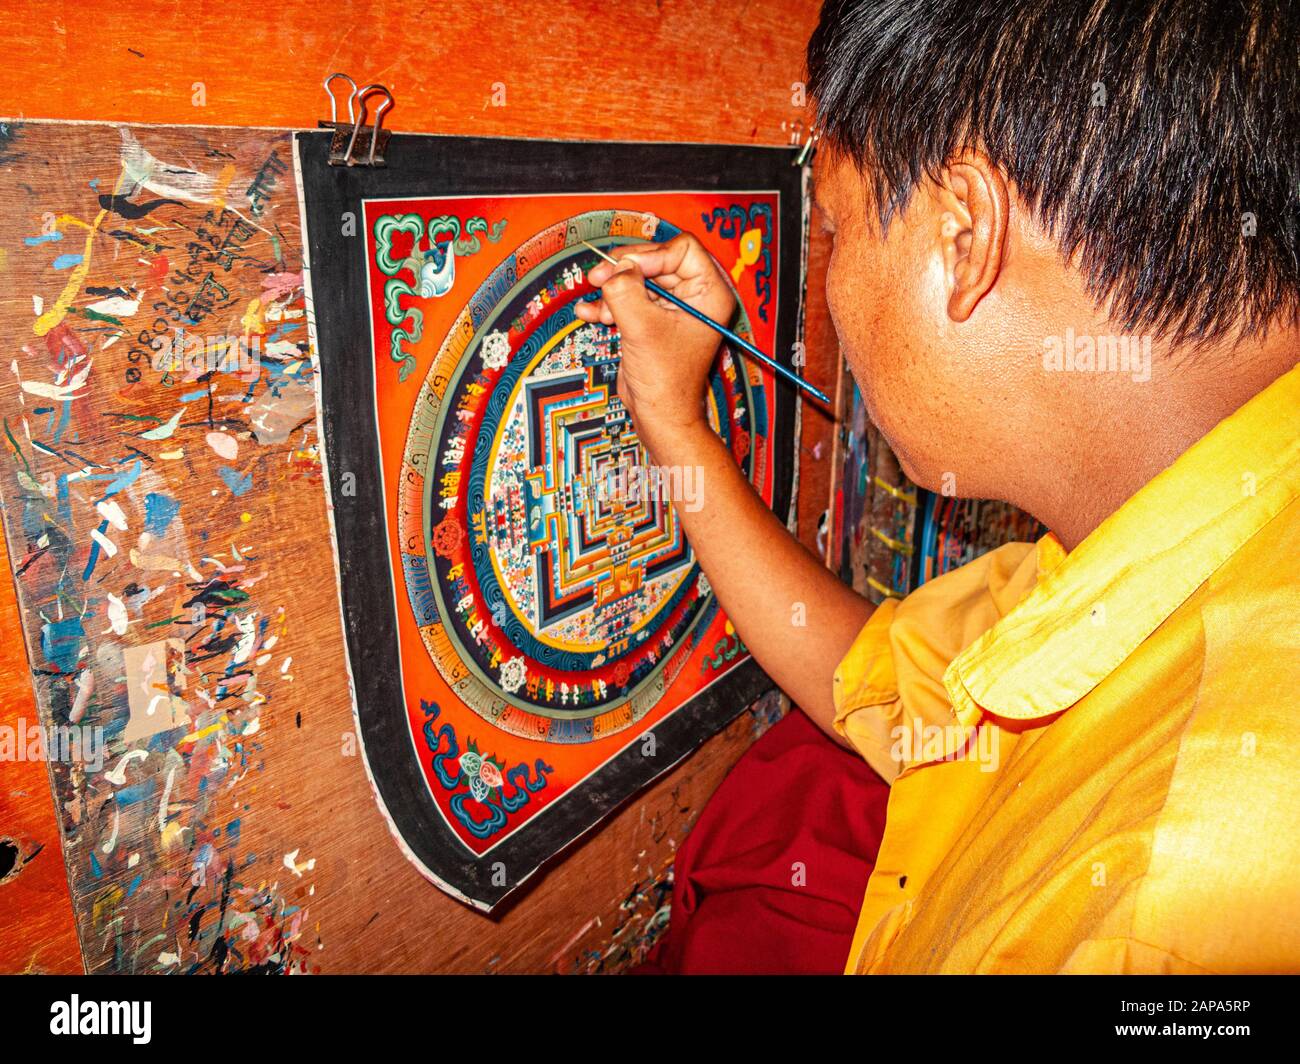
530	636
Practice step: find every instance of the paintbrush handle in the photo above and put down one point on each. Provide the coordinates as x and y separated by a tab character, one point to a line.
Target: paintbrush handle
745	345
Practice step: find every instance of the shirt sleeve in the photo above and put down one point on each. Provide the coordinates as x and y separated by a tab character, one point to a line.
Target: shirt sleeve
890	683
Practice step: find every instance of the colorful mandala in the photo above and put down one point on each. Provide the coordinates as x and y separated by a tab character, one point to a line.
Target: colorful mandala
530	637
543	558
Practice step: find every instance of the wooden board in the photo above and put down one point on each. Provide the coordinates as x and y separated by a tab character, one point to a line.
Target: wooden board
360	906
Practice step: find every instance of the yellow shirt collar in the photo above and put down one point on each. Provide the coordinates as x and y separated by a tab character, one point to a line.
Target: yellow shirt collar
1093	607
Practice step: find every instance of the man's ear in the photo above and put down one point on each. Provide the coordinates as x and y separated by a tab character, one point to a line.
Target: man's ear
973	193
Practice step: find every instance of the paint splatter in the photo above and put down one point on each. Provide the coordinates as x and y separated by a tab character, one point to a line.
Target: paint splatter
165	430
291	863
224	444
117	306
237	483
159	512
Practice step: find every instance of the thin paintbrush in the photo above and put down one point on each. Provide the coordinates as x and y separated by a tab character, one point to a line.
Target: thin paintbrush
744	345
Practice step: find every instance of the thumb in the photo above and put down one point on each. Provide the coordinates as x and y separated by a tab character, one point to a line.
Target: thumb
625	295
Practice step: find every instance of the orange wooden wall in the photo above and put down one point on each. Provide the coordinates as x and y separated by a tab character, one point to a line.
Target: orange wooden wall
36	929
676	69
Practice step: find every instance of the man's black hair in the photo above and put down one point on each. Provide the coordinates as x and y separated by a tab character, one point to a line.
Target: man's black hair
1157	139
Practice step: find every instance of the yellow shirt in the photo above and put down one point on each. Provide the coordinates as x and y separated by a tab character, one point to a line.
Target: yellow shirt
1100	760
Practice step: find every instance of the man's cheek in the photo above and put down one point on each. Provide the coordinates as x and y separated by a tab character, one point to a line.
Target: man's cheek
844	296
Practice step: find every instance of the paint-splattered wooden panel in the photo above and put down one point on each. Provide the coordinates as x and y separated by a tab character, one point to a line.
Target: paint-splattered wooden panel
178	595
156	582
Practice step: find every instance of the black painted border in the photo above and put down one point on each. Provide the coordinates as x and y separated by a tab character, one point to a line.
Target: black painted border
458	166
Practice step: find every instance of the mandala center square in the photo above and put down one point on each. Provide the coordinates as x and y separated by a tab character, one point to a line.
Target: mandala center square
601	546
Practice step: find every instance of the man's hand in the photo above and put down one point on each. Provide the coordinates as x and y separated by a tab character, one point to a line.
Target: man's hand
666	354
795	617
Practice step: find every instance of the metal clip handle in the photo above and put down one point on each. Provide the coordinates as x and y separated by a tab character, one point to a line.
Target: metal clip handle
334	103
359	121
355	136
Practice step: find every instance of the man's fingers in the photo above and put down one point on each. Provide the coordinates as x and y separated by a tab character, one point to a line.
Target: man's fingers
682	258
588	310
623	300
682	264
603	270
624	294
594	311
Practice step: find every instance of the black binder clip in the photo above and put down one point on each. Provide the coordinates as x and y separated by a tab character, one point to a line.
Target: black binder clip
354	143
